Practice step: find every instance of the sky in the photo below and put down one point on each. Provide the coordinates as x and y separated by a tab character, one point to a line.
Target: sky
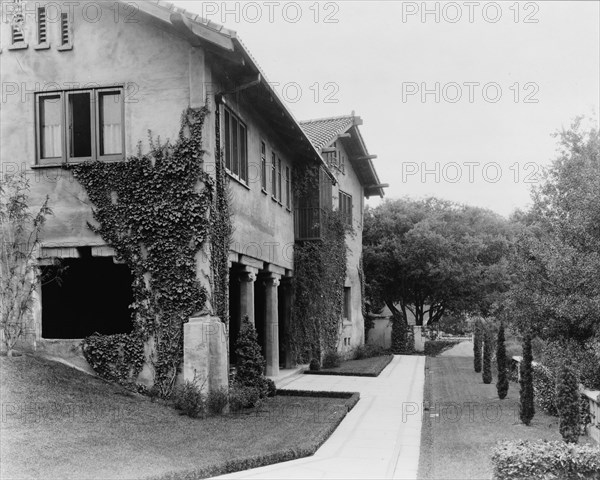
458	99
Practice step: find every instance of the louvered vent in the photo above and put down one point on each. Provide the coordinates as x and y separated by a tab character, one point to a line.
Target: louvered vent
65	31
42	26
17	34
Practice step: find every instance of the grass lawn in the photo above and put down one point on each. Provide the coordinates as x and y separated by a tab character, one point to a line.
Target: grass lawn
457	443
365	367
59	423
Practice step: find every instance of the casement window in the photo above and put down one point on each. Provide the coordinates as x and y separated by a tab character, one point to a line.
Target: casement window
73	126
263	166
346	207
288	193
274	175
236	147
279	178
336	158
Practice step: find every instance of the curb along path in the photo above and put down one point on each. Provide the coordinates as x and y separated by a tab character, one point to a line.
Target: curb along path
379	438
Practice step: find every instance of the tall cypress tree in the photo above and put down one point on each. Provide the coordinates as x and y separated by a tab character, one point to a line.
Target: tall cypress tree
477	346
567	403
526	407
502	383
487	356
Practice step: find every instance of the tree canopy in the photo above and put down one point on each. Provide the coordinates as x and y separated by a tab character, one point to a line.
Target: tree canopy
434	256
556	260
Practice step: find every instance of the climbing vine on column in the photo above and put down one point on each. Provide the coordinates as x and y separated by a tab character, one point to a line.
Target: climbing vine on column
153	209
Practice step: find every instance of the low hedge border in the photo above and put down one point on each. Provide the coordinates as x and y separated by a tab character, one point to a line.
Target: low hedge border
255	461
545	460
325	371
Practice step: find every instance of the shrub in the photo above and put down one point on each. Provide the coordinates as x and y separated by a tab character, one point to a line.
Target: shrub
188	398
242	396
270	387
368	351
434	347
544	388
585	359
567	403
524	460
314	366
526	407
487	357
455	325
217	400
250	364
332	359
477	334
502	383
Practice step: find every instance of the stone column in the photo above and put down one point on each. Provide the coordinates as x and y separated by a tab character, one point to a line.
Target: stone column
272	324
286	285
247	279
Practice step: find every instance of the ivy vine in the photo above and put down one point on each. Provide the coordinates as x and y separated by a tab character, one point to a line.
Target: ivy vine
318	283
155	211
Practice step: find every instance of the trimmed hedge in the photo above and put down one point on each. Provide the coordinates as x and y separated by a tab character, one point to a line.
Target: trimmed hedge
525	460
434	347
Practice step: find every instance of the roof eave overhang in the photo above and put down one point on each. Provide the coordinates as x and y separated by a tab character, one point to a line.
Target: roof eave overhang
201	35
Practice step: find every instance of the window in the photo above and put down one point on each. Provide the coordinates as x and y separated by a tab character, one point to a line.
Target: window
79	125
346	207
17	30
236	150
288	199
336	158
263	166
348	303
274	175
66	41
279	192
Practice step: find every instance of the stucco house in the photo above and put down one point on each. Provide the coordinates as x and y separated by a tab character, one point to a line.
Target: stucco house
84	83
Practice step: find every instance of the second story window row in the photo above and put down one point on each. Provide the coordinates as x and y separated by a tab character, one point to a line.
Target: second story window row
42	31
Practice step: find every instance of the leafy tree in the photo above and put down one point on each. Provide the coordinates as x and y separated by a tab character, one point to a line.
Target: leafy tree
477	344
567	403
487	356
556	259
20	231
431	257
526	406
502	383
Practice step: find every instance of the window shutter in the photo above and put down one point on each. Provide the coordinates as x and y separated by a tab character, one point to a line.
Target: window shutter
42	26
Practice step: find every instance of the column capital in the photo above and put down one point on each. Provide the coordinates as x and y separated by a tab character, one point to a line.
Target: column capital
248	274
272	279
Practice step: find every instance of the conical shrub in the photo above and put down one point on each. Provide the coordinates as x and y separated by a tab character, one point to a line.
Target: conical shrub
488	346
477	344
502	383
567	403
526	407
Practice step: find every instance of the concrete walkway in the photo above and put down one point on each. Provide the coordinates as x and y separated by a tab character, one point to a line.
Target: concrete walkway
379	438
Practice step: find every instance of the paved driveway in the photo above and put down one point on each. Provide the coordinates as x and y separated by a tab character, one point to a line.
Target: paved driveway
379	438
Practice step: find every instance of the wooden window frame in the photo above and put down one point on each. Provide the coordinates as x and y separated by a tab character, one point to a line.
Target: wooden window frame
263	166
274	175
288	192
64	96
241	149
279	180
347	311
345	200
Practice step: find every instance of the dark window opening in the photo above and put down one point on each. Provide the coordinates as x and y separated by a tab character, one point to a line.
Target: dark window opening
86	296
347	303
80	124
263	166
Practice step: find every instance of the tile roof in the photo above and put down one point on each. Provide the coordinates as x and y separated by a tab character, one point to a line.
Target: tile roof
194	17
324	130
